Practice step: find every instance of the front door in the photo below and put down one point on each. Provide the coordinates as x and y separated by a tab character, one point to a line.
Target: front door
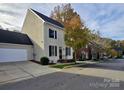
60	52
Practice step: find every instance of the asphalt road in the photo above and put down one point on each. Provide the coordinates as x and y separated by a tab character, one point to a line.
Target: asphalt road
114	64
64	81
68	81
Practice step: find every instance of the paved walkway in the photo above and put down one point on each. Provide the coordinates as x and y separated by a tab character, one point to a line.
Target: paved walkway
112	70
16	71
118	75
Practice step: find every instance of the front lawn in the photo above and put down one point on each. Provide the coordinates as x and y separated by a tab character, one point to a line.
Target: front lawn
63	65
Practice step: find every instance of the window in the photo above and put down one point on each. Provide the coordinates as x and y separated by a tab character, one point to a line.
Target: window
52	50
68	51
55	50
52	34
55	34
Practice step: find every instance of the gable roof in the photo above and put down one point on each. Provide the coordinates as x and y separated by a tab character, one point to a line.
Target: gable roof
48	19
14	37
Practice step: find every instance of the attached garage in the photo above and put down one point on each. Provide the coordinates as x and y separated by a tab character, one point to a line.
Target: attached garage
7	55
15	46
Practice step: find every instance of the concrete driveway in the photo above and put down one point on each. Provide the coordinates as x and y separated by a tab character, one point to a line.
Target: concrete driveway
89	76
16	71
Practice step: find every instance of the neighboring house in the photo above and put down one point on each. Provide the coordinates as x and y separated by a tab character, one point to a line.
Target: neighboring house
119	51
15	46
97	51
90	51
84	53
47	36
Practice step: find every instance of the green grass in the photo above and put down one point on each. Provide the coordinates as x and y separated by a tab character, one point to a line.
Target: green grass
61	66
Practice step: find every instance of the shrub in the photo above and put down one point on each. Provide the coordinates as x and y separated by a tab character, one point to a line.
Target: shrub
44	61
114	53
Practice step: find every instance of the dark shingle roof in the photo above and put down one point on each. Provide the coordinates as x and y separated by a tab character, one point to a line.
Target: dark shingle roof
118	49
47	19
14	37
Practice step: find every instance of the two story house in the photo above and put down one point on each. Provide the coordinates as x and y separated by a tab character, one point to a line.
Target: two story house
41	36
47	36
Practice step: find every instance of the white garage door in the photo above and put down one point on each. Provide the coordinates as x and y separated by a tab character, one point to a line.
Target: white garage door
12	55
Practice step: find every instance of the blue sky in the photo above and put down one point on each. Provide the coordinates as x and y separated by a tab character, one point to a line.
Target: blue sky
107	18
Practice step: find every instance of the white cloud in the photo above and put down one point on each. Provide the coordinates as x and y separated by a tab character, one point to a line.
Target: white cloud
12	15
107	18
114	29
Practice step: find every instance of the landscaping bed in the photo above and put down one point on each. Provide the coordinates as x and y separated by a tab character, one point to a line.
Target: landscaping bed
63	65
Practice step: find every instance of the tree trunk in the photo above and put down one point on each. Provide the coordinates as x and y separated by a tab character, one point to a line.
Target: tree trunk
75	57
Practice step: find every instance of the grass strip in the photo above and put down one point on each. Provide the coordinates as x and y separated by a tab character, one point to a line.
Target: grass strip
61	66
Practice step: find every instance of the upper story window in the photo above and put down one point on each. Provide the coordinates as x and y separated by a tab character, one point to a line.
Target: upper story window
52	34
68	51
55	34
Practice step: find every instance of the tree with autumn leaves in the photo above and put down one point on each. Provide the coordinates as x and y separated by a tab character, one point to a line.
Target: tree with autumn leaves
77	35
112	48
